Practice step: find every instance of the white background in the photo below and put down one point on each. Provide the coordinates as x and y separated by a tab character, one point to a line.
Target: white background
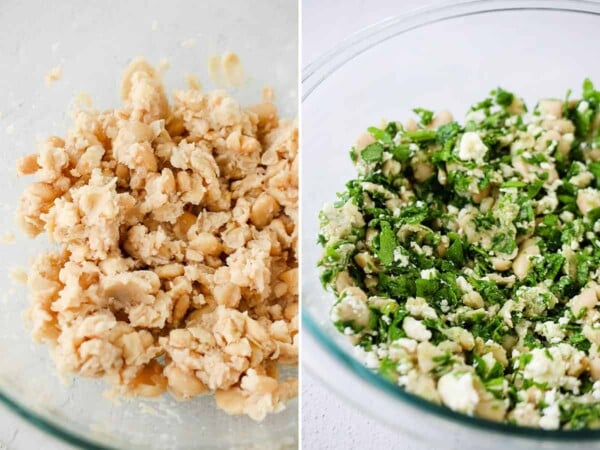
327	422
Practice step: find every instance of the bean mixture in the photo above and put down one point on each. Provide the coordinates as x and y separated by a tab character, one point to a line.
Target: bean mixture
174	266
465	258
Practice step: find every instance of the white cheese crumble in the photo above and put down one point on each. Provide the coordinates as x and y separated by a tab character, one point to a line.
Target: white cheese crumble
369	359
457	392
415	329
583	106
351	309
401	258
471	147
418	307
428	274
552	331
546	366
338	222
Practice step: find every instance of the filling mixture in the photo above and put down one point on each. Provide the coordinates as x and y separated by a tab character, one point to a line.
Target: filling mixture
465	258
175	232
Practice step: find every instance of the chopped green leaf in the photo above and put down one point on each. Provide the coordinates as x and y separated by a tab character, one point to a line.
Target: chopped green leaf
372	152
425	115
387	244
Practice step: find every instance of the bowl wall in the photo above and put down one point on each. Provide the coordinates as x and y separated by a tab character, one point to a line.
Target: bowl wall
444	58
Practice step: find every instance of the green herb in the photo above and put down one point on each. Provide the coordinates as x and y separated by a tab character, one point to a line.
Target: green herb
401	153
426	288
372	152
578	415
594	167
503	98
384	135
420	135
589	92
579	341
387	244
513	184
485	221
503	243
425	115
443	363
388	369
448	132
455	253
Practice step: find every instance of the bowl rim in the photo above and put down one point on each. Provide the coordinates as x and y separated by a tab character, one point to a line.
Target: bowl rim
319	70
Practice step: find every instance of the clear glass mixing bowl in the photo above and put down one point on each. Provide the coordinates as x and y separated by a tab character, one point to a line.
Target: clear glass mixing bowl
93	42
447	57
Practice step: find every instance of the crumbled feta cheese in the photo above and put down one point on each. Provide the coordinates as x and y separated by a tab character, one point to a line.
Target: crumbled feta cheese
401	258
563	320
452	210
416	247
583	106
415	329
546	366
566	216
571	384
551	331
418	307
352	309
444	306
471	147
338	222
410	345
547	204
376	188
369	359
428	274
536	299
526	414
458	392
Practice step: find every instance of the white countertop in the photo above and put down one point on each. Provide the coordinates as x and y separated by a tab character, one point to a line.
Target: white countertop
328	422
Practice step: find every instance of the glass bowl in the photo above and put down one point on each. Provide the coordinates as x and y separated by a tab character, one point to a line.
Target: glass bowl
446	57
93	42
